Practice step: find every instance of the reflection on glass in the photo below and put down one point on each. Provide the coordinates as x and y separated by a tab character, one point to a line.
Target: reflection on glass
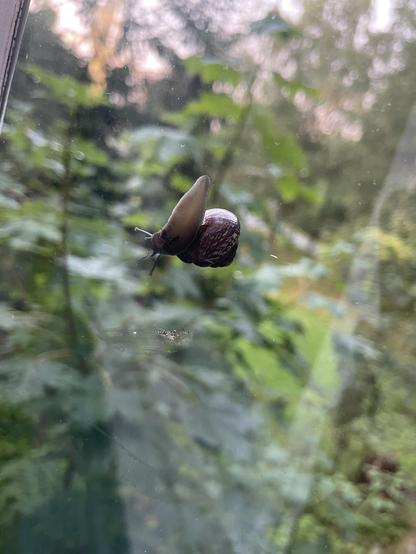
267	406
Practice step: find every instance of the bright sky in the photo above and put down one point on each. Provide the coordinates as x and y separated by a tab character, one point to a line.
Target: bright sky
68	21
382	15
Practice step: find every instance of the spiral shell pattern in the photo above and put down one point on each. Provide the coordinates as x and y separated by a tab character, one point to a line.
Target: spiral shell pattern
216	241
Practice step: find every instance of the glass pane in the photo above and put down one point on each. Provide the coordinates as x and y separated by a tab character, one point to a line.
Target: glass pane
199	390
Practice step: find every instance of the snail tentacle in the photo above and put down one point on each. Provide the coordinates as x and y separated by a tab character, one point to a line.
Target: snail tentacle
155	262
143	231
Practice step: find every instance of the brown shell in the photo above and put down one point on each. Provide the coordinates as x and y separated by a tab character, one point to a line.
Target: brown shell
216	242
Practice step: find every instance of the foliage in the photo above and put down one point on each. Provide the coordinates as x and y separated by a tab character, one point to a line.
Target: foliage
253	408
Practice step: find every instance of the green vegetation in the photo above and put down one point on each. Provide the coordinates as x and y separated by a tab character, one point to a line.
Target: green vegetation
263	407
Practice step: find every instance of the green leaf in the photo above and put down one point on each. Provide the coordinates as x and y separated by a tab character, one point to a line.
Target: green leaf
96	267
28	483
209	104
311	194
139	219
161	148
27	378
85	406
265	374
317	345
180	182
11	319
288	187
280	149
8	203
33	222
85	151
219	422
210	69
65	89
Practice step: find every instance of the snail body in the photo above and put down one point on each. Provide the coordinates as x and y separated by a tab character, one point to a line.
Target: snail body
184	221
197	235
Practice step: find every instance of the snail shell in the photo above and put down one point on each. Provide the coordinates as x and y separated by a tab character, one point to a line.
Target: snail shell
216	242
196	235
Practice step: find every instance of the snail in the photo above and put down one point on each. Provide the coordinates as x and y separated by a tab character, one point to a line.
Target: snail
194	234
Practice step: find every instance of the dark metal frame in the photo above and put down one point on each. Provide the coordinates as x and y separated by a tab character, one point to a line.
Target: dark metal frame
13	15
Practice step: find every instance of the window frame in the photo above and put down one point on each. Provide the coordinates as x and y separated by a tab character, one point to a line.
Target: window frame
13	15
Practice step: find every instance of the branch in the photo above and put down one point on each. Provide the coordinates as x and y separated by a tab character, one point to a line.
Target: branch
228	158
70	316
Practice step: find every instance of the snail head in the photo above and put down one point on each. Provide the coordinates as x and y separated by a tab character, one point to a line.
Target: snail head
183	223
155	247
158	242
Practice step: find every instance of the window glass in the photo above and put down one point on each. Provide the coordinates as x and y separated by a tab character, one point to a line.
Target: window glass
252	388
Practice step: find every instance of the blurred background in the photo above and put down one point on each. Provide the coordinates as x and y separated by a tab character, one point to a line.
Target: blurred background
268	406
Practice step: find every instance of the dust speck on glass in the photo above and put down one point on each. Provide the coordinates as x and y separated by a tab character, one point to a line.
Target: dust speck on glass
248	400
